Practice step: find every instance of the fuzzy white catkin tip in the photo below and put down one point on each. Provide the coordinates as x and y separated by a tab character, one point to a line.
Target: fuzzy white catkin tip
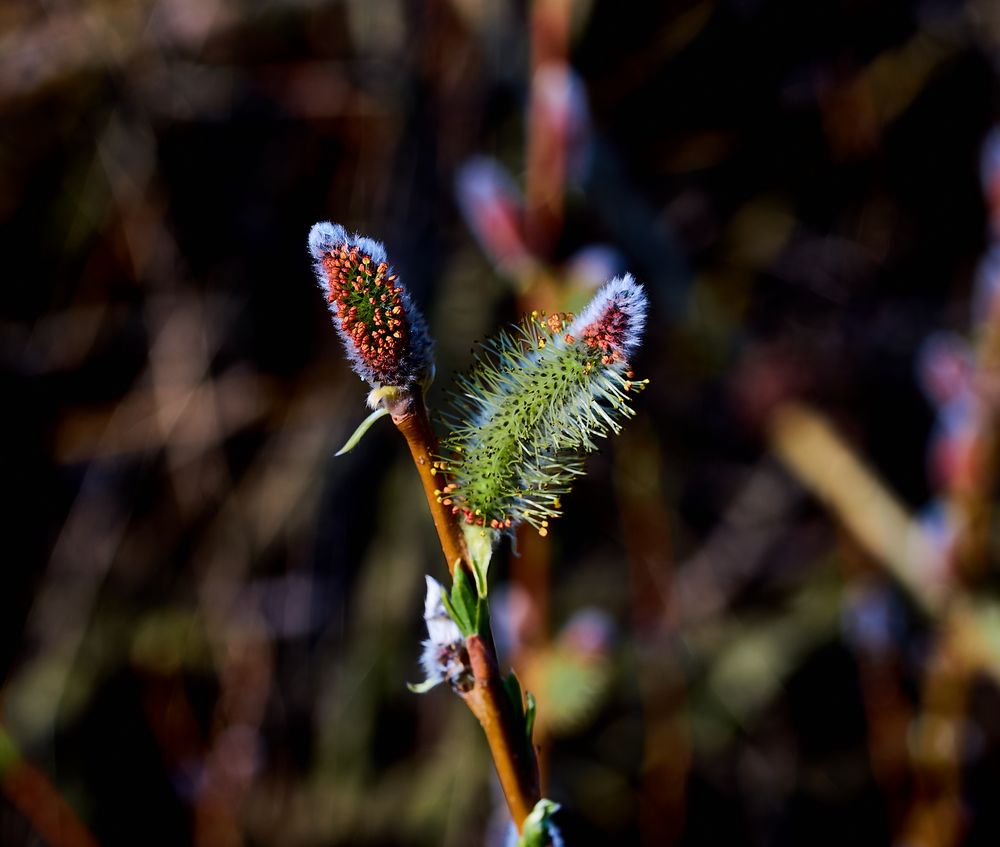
616	316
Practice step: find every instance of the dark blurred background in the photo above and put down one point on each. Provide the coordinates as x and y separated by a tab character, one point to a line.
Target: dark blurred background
770	613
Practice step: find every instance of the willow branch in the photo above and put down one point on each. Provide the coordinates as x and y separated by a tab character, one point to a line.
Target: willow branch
513	756
824	462
31	793
412	421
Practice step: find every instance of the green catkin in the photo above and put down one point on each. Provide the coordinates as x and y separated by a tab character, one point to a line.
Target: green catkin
534	403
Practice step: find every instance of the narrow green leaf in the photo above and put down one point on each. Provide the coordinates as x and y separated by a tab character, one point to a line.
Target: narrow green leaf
365	425
482	616
463	600
538	830
464	625
529	716
512	686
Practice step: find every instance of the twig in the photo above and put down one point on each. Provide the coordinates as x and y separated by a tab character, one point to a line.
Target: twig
513	756
813	451
31	793
515	760
828	466
412	421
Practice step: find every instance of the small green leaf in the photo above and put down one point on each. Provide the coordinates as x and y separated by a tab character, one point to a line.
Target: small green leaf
512	686
538	829
524	708
529	716
454	613
365	425
464	602
422	687
482	617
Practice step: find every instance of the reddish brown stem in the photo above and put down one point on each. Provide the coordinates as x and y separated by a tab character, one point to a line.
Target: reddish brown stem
513	757
27	788
413	422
